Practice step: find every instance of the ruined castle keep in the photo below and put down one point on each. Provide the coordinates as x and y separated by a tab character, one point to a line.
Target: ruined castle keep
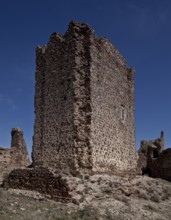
84	120
14	157
84	105
154	160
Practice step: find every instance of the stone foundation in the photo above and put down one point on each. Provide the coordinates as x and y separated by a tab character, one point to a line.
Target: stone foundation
66	188
41	180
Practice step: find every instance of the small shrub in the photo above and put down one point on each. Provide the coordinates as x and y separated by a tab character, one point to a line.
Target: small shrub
143	195
166	194
107	190
164	182
125	200
150	190
155	198
87	213
150	208
149	183
108	215
138	183
168	191
165	197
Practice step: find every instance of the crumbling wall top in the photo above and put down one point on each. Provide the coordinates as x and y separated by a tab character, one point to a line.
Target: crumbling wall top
16	130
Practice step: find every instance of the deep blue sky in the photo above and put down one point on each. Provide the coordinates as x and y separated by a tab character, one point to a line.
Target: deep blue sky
141	30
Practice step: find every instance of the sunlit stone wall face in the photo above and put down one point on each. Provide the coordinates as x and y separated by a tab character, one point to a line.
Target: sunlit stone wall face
112	98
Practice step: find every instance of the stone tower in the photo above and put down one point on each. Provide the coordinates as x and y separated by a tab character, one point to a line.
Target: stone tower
14	157
84	105
18	146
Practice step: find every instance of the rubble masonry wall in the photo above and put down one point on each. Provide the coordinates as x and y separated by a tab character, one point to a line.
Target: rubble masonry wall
14	157
84	105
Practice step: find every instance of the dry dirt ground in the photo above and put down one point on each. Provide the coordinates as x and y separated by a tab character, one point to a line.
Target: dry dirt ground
139	198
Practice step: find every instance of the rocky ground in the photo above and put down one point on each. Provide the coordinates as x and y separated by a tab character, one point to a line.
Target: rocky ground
98	197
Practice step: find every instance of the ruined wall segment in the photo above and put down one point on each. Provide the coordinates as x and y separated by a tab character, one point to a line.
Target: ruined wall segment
5	162
148	152
41	180
19	148
84	105
154	160
161	167
14	157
